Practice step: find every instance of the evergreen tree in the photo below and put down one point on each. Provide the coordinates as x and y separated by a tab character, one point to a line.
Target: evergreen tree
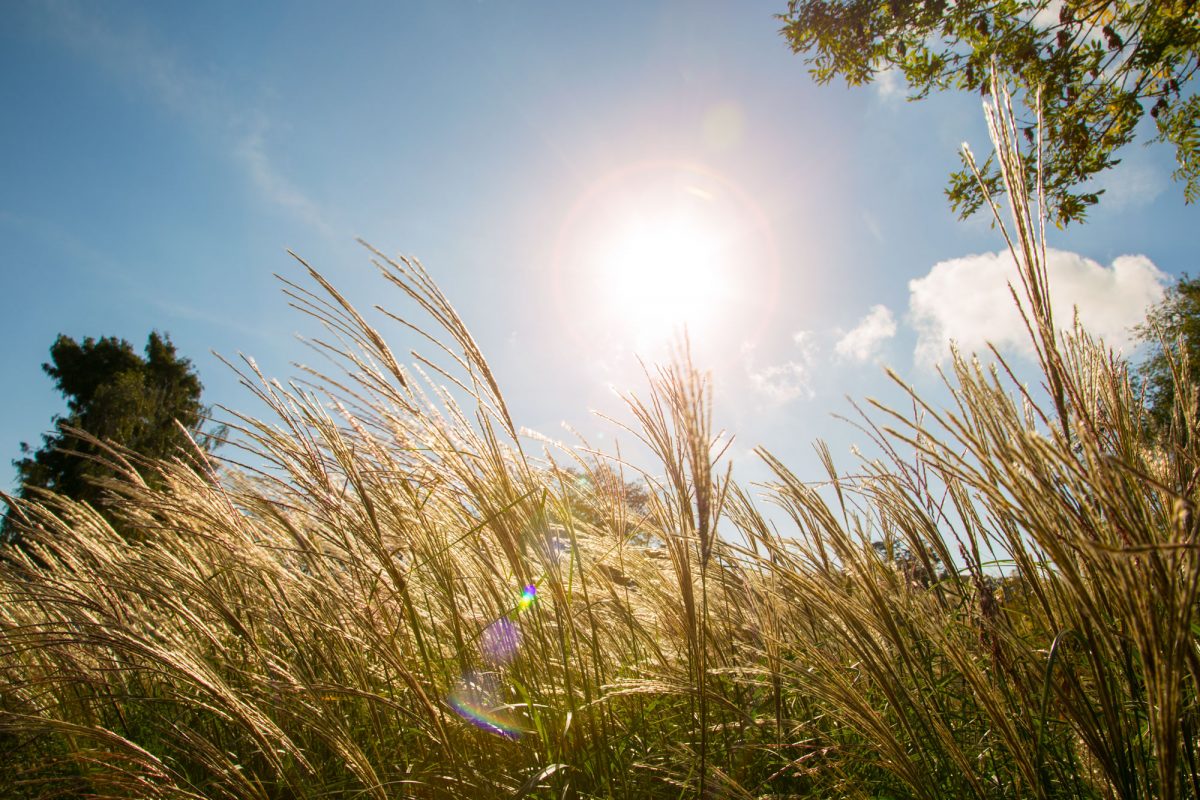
117	396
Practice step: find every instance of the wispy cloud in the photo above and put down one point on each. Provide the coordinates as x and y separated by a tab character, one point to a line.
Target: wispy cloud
967	300
787	381
79	256
871	222
890	85
144	63
132	55
251	151
866	339
1131	184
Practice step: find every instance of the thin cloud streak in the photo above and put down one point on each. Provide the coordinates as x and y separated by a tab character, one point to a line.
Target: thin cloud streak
137	59
252	154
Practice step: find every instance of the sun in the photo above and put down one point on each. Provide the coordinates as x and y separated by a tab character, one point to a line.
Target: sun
664	276
661	250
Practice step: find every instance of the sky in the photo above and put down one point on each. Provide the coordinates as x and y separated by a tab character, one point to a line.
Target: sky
579	178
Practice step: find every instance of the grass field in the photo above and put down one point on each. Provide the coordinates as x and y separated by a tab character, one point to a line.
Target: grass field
403	598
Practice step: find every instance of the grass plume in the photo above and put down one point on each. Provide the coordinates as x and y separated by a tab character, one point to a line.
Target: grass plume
402	599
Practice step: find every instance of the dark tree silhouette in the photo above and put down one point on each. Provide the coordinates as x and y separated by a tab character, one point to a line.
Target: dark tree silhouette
117	396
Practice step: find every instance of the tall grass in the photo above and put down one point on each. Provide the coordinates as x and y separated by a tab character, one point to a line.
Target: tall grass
402	598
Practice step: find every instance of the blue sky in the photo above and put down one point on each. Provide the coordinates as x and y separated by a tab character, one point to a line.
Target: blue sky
157	159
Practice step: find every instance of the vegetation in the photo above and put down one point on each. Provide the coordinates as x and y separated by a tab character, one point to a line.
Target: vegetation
405	601
1172	331
1096	66
150	406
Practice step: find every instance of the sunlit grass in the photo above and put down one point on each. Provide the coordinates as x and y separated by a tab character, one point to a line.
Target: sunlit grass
409	600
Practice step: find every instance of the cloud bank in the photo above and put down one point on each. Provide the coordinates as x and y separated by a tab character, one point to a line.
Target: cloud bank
967	300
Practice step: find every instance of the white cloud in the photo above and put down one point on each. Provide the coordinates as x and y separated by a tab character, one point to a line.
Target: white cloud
782	383
968	300
789	380
864	341
890	84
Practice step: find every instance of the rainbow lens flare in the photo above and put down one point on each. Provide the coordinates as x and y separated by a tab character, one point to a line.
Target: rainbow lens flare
499	641
557	548
475	699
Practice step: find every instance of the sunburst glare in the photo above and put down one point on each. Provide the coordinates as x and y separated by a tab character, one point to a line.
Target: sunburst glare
660	275
658	248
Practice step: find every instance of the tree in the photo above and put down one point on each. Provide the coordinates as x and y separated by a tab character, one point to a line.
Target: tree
117	396
921	569
1100	65
1172	331
602	497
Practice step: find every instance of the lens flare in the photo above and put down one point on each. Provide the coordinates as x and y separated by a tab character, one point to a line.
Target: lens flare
476	697
559	548
499	641
476	700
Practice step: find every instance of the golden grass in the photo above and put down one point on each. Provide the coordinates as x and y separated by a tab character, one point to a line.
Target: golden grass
1009	612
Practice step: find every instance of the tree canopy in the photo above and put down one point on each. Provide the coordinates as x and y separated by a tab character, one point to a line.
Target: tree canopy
1172	331
117	396
1100	66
